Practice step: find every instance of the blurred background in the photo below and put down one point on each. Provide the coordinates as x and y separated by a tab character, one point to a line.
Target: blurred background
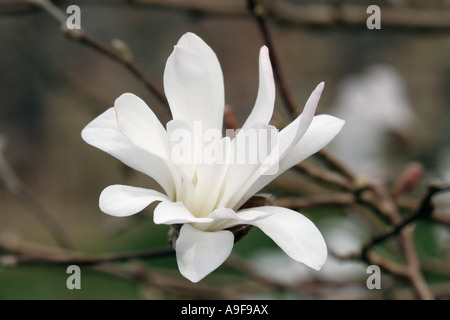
391	85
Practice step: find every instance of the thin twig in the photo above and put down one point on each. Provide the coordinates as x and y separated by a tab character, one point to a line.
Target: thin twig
323	177
27	253
243	266
332	161
320	15
85	38
15	186
320	200
257	10
424	210
403	229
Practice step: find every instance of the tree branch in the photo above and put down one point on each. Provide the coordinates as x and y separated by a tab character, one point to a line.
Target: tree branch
27	253
84	38
321	15
16	188
258	11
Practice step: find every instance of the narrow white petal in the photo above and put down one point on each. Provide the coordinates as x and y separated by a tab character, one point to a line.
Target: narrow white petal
199	253
321	131
242	216
269	169
265	100
295	234
175	212
121	201
226	218
292	133
250	149
193	83
181	142
211	175
138	122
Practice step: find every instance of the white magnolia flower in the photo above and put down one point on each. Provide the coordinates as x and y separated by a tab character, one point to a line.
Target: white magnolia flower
204	200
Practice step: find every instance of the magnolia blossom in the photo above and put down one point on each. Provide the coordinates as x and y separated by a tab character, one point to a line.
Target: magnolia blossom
205	199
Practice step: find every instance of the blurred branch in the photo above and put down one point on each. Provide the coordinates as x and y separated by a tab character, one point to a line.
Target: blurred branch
258	11
441	218
243	266
424	210
311	15
29	253
84	38
320	200
323	177
15	187
403	229
180	287
332	161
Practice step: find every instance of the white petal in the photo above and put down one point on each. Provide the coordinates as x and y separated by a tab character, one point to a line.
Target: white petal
199	253
269	169
181	141
322	130
263	109
140	124
103	132
292	133
250	149
122	201
240	217
175	212
211	175
193	83
226	218
295	234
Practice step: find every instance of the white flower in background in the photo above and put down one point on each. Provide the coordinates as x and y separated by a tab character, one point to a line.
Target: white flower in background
204	199
375	105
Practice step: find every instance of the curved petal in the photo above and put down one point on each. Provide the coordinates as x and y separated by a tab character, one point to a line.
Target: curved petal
121	201
252	148
265	100
199	253
292	133
193	83
138	122
295	234
168	212
269	169
322	130
211	175
226	218
182	141
104	133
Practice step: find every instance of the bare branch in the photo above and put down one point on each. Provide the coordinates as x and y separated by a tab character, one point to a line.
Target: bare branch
258	11
334	163
92	42
326	178
312	15
27	253
14	185
320	200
